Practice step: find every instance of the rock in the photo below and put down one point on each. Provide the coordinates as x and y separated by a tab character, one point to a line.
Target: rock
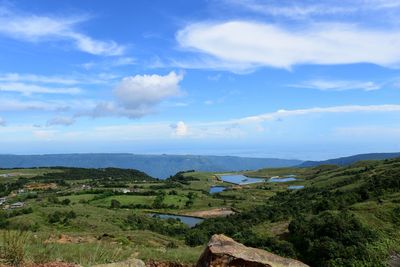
223	251
127	263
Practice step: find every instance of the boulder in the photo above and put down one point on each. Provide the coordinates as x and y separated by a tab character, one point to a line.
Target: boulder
223	251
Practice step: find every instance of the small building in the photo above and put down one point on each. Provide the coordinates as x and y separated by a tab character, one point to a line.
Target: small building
2	200
17	205
125	190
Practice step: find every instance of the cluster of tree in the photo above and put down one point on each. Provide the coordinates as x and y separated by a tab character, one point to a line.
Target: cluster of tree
108	174
181	178
7	188
53	199
5	215
61	217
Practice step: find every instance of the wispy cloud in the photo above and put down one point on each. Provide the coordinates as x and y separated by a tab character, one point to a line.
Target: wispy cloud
255	44
63	121
2	122
316	110
305	9
29	89
58	79
338	85
40	28
12	105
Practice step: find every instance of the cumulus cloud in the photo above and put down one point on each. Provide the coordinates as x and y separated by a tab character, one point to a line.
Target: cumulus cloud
147	90
35	28
29	89
338	85
180	129
138	95
246	44
64	121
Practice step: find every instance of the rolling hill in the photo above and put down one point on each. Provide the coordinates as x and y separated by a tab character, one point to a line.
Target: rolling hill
345	161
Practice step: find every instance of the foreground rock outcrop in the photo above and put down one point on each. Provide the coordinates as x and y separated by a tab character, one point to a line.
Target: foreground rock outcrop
223	251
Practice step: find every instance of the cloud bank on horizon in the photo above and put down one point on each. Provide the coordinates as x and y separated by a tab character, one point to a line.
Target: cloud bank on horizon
249	77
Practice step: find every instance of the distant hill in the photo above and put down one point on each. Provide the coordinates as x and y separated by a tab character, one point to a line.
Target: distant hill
160	166
344	161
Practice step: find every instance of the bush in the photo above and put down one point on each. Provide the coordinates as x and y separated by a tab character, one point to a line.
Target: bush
329	236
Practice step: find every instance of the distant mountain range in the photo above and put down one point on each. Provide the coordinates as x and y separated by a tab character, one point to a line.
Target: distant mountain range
160	166
344	161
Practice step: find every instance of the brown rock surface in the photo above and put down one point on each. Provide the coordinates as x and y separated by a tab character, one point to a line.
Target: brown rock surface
223	251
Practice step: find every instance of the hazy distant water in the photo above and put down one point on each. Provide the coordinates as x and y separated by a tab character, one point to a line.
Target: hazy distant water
240	179
216	189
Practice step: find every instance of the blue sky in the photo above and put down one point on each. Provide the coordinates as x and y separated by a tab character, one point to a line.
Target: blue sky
292	79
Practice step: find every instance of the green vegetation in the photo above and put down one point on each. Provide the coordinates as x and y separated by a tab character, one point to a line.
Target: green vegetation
345	216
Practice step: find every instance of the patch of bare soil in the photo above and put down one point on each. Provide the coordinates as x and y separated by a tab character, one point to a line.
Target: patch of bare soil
212	213
41	186
66	239
394	260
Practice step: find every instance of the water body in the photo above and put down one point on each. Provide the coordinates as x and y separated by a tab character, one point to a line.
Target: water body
295	187
217	189
240	179
188	220
282	180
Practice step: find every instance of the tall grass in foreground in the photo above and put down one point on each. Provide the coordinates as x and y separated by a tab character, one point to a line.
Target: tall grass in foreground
13	247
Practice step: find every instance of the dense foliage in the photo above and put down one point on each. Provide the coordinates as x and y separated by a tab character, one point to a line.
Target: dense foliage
322	232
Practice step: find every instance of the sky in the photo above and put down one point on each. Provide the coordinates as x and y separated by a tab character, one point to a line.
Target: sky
261	78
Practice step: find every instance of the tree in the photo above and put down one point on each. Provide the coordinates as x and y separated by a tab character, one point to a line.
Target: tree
115	204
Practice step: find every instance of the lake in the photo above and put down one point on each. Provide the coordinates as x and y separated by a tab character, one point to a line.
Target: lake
295	187
282	179
217	189
240	179
188	220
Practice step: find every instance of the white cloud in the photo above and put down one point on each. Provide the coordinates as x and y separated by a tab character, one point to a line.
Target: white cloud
147	90
315	110
305	9
338	85
2	122
138	95
180	129
245	44
60	80
29	89
34	28
12	104
64	121
16	77
123	61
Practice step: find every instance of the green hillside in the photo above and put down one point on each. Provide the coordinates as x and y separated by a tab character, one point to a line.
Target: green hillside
344	216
